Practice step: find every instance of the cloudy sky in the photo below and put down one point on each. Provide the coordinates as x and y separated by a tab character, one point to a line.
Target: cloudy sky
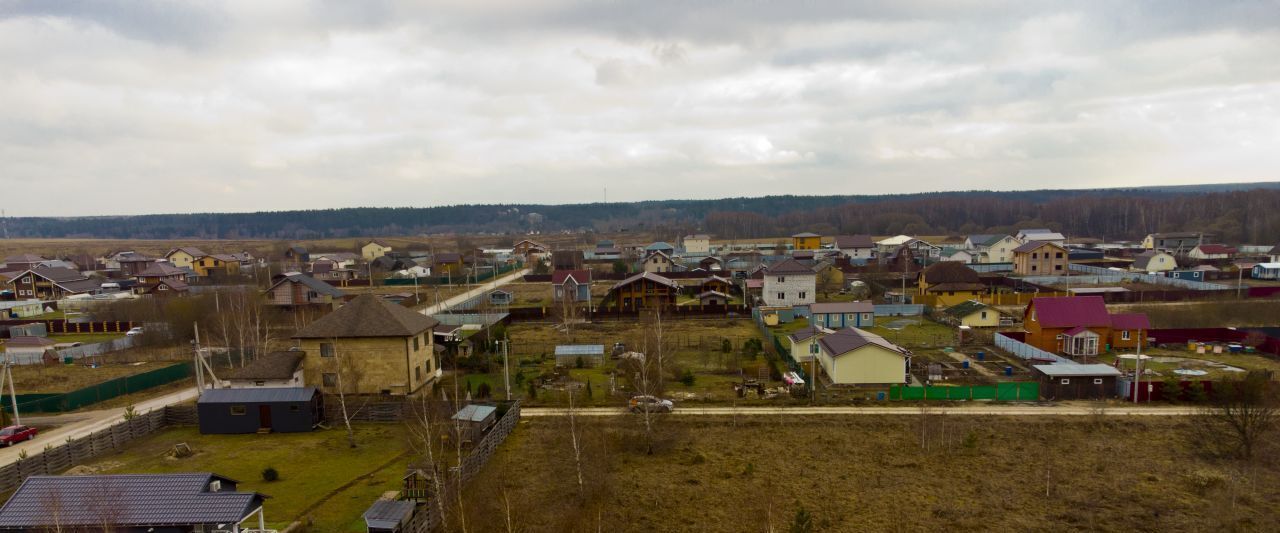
145	106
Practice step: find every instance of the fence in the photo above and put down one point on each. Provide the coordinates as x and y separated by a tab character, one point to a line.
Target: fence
782	351
991	267
1005	392
899	309
64	326
1148	278
57	459
53	403
454	280
1026	351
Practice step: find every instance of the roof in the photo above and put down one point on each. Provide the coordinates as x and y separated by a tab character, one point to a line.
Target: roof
699	236
172	284
1275	250
1075	369
1268	266
474	413
388	514
1130	321
850	339
1033	244
26	341
447	257
646	275
24	258
805	235
190	250
57	274
311	283
983	238
1143	259
711	294
336	256
966	308
842	307
580	349
789	266
1177	235
258	395
1077	330
1042	236
950	272
854	241
579	276
135	500
275	365
806	333
1069	311
161	269
1216	249
659	246
378	242
712	278
367	316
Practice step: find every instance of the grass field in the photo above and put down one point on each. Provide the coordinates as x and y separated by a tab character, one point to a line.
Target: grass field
65	378
85	338
868	473
320	476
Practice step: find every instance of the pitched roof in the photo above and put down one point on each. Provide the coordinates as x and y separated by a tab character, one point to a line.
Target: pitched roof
659	246
965	308
842	307
474	413
645	275
258	395
951	276
378	242
1069	311
699	236
172	284
711	294
134	500
275	365
388	514
580	277
805	235
1275	250
312	283
1130	321
1033	244
57	274
1075	369
447	257
160	270
190	250
806	333
1143	259
788	266
850	339
367	316
1216	249
983	238
24	258
78	286
854	241
1177	235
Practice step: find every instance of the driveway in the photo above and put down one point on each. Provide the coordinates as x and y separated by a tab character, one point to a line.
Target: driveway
481	289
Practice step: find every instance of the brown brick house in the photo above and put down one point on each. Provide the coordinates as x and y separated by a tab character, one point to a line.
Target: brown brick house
378	348
1041	258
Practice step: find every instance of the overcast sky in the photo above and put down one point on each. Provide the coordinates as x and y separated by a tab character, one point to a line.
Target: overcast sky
145	106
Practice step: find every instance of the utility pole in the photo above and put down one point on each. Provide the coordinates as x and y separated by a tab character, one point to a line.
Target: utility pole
13	394
1239	281
1137	369
199	370
4	223
506	368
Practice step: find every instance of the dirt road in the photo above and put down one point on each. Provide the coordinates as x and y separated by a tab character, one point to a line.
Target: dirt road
1079	409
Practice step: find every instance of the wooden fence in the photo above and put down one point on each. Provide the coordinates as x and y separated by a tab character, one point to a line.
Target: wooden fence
55	459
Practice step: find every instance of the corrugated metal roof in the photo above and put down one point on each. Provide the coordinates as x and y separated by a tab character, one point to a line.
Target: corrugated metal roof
128	500
580	349
387	514
258	395
474	413
1074	369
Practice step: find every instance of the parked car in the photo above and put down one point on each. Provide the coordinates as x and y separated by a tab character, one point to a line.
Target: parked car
134	331
15	434
652	404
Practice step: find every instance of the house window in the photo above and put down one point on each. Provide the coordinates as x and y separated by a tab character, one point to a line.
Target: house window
1057	267
984	315
26	279
416	347
1033	268
801	295
238	410
1035	255
326	349
782	296
330	379
1124	335
1058	255
813	347
417	372
1097	381
259	383
782	279
295	408
1066	381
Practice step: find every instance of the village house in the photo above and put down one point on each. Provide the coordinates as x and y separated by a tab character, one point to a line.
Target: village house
789	283
140	503
1064	381
857	247
804	342
157	272
260	410
837	315
340	259
184	257
51	283
216	265
374	249
657	262
713	298
972	313
530	250
294	289
1212	251
377	347
131	264
806	241
645	289
574	285
1176	242
1041	258
448	264
948	283
1265	271
996	249
852	356
1154	261
1081	326
167	287
273	370
718	284
699	244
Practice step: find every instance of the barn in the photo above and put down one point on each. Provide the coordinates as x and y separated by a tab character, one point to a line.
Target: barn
1071	381
260	410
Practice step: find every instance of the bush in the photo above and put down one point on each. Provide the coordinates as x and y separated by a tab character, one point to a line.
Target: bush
270	474
579	362
726	345
688	378
533	391
803	522
484	390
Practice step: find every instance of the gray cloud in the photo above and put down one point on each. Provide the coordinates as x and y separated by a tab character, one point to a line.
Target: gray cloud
400	103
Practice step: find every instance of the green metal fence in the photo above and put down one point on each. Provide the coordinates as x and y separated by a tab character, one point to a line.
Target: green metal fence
70	401
1005	392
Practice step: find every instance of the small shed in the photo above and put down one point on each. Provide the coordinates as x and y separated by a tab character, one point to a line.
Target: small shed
570	354
473	420
260	410
388	516
1071	381
500	297
714	298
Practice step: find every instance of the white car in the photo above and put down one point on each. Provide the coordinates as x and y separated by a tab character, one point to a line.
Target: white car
133	332
650	404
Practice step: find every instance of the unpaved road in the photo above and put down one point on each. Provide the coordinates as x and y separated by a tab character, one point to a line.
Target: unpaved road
487	286
983	410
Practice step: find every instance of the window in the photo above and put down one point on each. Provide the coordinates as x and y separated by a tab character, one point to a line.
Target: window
295	408
984	315
238	410
26	279
259	383
326	349
416	347
782	279
1035	255
1057	267
1066	381
330	379
782	296
417	372
1097	381
813	347
1033	268
802	295
1058	255
1124	335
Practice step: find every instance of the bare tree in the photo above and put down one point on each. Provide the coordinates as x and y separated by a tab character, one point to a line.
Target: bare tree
827	280
347	372
1241	415
54	508
426	432
575	437
647	373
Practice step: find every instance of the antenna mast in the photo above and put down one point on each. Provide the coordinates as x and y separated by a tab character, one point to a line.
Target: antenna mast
4	223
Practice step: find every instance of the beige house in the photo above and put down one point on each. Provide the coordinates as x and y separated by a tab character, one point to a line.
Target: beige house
1154	261
999	250
804	342
1041	258
184	257
372	346
853	356
974	314
699	244
374	249
657	263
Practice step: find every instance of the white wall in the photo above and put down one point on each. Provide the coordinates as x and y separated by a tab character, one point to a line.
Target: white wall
791	288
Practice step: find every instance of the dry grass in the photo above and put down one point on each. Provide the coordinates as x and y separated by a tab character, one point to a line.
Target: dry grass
1208	314
864	473
65	378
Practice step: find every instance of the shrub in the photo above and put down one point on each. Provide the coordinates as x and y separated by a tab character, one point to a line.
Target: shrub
484	390
270	474
533	391
803	522
688	378
726	345
579	362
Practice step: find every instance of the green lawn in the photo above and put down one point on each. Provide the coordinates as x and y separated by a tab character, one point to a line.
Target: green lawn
313	468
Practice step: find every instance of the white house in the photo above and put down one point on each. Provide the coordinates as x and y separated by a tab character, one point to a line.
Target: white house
999	250
657	262
699	244
1041	234
1274	254
856	246
1212	251
962	256
789	283
273	370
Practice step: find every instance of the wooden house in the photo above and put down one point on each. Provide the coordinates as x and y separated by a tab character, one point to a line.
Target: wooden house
806	241
300	290
216	265
645	289
1041	258
260	410
1081	326
972	313
574	285
657	262
839	315
1064	381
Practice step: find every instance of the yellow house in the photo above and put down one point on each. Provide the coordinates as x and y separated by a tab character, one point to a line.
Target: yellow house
974	314
370	346
852	356
184	257
950	283
804	342
374	249
216	265
806	241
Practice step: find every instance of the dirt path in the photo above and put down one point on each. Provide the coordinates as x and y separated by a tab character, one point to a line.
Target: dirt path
1076	409
487	286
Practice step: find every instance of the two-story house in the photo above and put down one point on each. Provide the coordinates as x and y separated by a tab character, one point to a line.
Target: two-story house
806	241
1178	242
1041	258
949	283
371	346
657	262
857	247
697	244
51	283
300	290
1081	326
374	249
788	283
216	265
184	257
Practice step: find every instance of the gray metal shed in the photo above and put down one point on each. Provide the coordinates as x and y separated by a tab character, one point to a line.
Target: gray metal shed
282	410
388	516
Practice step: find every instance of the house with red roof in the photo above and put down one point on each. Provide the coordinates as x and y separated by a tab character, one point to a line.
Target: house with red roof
573	285
1212	251
1081	326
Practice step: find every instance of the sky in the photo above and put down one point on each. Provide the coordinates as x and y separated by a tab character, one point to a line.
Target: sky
150	106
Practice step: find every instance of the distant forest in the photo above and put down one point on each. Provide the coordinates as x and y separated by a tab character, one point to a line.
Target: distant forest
1233	213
